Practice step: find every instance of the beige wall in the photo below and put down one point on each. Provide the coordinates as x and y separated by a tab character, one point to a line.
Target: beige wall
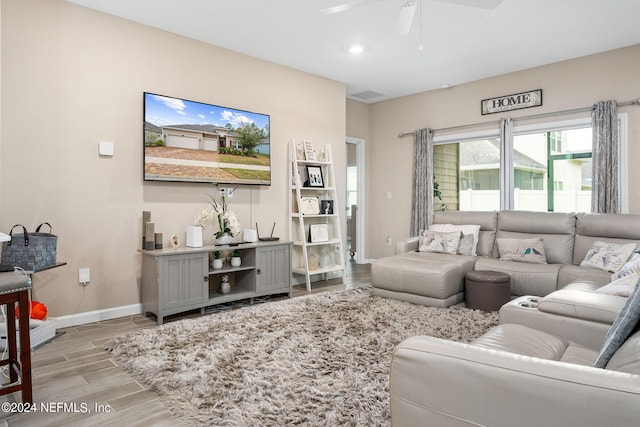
566	85
72	77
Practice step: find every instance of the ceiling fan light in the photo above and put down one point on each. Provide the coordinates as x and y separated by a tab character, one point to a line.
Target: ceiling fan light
356	49
405	18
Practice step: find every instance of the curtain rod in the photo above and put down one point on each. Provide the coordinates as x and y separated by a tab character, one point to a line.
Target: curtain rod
535	116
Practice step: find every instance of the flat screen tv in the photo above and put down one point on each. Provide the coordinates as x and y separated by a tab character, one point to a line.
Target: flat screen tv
187	141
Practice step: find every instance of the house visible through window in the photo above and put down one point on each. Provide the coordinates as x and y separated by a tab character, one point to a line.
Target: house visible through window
551	169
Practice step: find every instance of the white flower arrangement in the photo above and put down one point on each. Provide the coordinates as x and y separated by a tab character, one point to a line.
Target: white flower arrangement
218	213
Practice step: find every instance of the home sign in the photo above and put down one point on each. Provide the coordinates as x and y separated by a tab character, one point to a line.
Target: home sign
512	102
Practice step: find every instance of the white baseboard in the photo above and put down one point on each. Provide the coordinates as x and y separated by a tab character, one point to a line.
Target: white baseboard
98	315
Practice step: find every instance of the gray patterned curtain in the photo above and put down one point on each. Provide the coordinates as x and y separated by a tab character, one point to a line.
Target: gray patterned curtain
605	189
422	202
506	164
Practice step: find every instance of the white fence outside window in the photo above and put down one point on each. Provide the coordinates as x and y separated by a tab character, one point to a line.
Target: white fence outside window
525	200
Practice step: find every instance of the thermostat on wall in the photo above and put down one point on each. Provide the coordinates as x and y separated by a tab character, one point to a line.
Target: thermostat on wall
105	148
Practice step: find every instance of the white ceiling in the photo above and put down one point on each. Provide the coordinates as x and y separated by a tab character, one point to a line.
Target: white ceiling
460	43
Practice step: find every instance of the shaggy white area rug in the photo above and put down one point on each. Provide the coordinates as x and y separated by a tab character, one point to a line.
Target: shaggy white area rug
320	360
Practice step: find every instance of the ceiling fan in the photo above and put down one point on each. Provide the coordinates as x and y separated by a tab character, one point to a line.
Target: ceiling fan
408	9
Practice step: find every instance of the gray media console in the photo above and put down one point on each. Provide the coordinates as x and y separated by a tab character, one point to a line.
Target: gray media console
176	280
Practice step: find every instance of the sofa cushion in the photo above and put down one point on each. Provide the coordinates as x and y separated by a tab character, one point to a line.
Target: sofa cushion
556	229
570	274
582	305
436	241
627	358
524	311
530	342
608	256
433	275
622	327
614	228
526	279
582	285
522	250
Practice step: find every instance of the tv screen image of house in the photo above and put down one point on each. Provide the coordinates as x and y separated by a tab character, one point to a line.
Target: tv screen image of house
189	141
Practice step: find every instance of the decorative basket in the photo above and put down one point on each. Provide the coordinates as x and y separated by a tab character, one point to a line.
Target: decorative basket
30	251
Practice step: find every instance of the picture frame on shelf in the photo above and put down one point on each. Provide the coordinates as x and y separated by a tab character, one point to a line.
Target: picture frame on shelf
309	205
314	177
326	207
318	233
309	151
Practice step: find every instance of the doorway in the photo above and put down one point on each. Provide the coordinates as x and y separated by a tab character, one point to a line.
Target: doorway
355	199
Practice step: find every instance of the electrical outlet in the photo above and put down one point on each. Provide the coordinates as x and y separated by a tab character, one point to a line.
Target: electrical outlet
389	241
222	191
84	276
230	192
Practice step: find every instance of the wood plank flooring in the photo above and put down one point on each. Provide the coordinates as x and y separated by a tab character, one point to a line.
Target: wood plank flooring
80	385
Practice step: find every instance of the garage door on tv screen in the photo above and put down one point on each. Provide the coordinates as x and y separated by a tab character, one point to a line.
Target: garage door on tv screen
187	141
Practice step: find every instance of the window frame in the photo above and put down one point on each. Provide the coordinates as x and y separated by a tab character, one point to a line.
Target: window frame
545	126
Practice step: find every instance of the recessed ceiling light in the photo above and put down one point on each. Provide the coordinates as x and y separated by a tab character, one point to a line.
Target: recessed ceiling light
356	49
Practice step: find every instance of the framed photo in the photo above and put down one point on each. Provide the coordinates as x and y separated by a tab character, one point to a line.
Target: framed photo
309	206
318	233
314	177
309	152
326	207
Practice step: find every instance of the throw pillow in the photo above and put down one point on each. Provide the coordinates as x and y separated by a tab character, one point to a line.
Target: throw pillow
621	287
608	256
632	266
435	241
465	228
622	327
465	246
522	250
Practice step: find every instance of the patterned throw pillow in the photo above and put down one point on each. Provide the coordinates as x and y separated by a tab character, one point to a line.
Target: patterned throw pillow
522	250
624	325
608	256
434	241
632	266
621	287
465	228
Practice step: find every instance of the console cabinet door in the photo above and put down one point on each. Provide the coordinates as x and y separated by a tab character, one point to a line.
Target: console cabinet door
273	264
184	280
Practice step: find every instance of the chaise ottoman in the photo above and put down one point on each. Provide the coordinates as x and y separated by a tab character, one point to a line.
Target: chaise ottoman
426	278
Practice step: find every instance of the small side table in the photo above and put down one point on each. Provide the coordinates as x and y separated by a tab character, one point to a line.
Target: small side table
487	290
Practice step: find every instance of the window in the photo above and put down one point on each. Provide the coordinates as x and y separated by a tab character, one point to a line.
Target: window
559	162
468	174
551	168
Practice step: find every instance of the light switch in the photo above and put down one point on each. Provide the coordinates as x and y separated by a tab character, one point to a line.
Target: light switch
105	148
388	195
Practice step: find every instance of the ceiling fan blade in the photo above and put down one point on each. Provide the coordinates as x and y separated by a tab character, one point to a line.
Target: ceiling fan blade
483	4
343	7
405	17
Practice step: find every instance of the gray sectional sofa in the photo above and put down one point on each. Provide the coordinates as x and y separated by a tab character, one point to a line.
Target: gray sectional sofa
437	279
543	365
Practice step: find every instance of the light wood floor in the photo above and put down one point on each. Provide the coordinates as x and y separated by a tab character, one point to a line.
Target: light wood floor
82	386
